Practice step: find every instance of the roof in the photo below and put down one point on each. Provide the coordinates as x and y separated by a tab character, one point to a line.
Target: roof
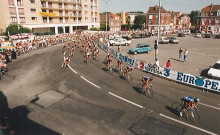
142	44
114	16
211	8
155	10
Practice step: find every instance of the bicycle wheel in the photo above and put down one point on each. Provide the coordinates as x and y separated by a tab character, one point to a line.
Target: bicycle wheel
139	88
176	108
193	116
129	78
149	92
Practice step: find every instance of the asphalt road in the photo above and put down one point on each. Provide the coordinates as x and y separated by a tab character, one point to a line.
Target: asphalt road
45	99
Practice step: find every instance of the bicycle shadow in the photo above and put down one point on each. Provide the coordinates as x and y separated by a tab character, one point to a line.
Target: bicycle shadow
172	110
137	89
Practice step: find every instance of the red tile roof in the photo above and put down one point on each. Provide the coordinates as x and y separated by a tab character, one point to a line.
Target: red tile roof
155	9
211	8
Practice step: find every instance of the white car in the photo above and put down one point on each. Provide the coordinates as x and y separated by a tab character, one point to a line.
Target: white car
198	35
119	41
163	40
214	71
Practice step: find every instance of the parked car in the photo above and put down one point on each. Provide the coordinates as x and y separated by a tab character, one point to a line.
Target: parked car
163	40
127	37
181	35
140	48
142	35
135	36
199	35
119	41
214	71
173	40
207	35
186	32
217	36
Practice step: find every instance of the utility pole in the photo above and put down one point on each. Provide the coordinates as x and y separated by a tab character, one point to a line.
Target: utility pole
158	32
106	2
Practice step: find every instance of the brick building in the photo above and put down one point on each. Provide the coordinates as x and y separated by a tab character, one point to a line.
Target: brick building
152	19
113	20
169	21
209	19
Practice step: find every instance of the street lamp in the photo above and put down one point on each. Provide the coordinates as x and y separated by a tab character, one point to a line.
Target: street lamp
158	32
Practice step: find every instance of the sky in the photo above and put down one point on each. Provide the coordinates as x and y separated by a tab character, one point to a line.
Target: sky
185	6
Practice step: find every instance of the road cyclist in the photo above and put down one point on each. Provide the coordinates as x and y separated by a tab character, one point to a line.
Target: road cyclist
146	87
109	63
87	55
188	108
127	73
119	67
66	62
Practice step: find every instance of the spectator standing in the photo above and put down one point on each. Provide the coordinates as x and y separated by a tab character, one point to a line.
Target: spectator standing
185	54
180	54
156	63
168	64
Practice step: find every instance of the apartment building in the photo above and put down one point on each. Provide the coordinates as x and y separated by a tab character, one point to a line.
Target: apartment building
113	20
50	16
209	19
169	21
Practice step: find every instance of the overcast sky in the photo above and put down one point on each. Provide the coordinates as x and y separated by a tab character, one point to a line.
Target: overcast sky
185	6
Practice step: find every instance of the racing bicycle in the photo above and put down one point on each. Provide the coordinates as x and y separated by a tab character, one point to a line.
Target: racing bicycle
148	92
191	115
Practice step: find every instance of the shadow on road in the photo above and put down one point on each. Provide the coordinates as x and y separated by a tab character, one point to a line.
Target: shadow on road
174	111
176	59
19	122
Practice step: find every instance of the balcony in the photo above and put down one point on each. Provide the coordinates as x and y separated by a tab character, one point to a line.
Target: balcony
50	21
13	13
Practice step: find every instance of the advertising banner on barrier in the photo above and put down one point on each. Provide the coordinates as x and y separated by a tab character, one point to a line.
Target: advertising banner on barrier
181	77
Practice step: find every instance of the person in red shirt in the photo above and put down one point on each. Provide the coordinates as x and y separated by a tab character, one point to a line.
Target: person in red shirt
168	64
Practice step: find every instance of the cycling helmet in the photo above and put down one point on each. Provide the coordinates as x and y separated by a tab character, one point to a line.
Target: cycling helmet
132	68
156	58
196	99
151	78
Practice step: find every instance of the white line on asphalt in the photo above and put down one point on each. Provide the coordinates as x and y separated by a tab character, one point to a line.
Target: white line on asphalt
210	106
72	69
126	100
90	82
208	132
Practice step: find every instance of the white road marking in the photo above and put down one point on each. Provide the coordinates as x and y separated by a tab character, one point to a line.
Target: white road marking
206	131
90	82
210	106
72	69
126	100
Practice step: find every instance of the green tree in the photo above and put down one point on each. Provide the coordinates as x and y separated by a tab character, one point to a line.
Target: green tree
13	29
128	21
140	19
103	27
193	16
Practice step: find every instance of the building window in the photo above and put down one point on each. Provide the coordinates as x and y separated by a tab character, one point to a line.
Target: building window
33	18
86	18
44	19
13	19
22	19
32	1
203	21
11	2
21	11
217	21
33	10
150	21
12	11
86	12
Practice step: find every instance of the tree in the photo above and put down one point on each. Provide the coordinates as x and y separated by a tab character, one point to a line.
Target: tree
13	29
140	20
103	27
128	21
193	16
